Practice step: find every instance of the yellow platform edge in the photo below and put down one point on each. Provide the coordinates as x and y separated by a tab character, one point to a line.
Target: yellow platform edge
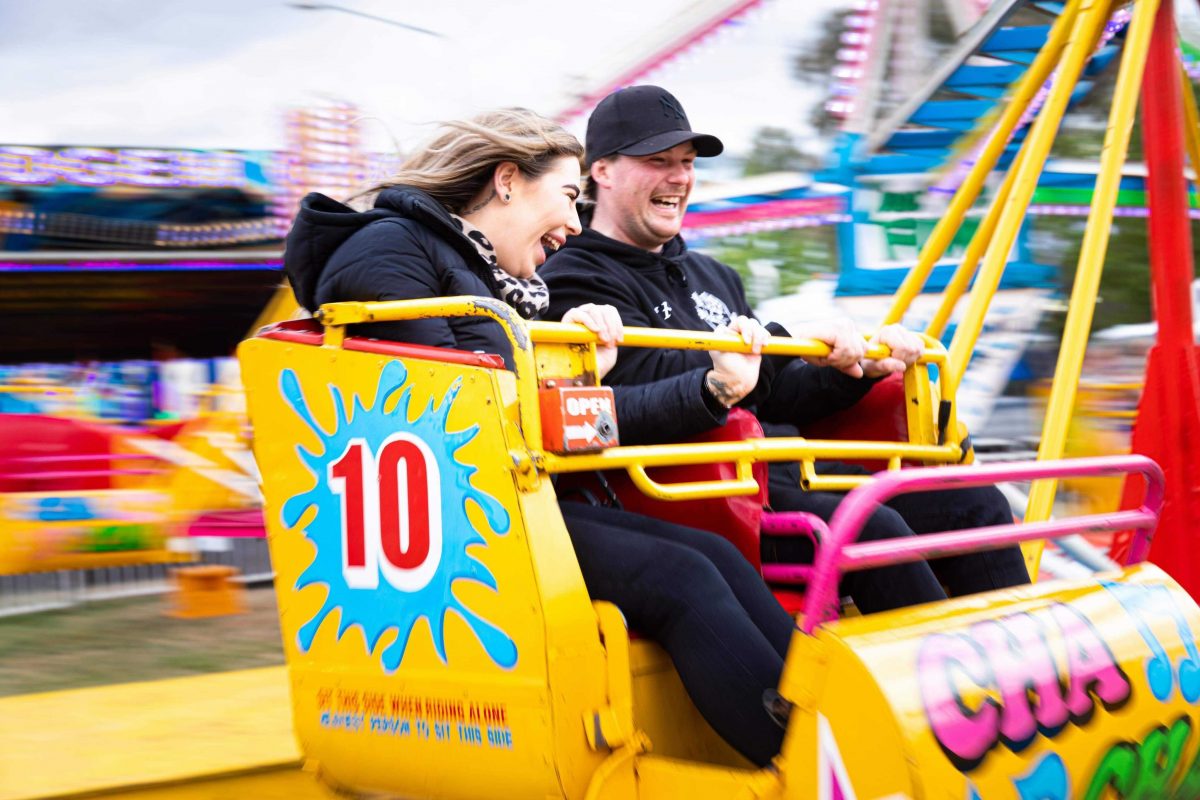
97	740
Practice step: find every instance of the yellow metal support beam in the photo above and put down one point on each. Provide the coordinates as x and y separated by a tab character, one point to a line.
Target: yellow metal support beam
946	228
1089	25
1191	125
1091	260
957	286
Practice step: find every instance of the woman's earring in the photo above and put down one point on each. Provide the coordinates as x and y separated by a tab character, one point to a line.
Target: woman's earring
507	197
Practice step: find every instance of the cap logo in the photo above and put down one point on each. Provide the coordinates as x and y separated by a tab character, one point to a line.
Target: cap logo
671	107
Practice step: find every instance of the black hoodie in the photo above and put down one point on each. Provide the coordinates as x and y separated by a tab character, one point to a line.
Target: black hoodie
685	290
409	247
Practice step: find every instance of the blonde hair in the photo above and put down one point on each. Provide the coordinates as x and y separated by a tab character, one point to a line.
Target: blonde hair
459	161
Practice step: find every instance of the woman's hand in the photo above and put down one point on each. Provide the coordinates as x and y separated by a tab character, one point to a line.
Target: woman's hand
605	322
906	348
734	375
846	345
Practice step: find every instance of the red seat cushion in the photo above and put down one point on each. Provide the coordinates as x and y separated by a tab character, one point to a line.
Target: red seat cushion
881	416
792	600
735	518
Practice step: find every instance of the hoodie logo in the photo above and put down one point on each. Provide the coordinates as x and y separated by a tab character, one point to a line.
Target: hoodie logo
711	309
664	310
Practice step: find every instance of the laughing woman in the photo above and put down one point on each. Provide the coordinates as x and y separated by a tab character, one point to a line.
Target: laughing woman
473	213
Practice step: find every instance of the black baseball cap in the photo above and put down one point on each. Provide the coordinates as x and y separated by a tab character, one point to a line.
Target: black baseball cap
640	120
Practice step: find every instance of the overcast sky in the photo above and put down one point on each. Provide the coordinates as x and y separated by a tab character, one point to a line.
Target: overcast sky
219	73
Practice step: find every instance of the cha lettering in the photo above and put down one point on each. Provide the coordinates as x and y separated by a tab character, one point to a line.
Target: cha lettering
999	683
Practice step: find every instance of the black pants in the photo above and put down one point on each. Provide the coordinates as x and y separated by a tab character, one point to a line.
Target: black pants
696	595
901	585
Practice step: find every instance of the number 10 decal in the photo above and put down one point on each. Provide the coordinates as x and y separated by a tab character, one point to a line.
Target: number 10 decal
391	512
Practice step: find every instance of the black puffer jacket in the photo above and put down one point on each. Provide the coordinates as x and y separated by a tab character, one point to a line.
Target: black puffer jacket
408	247
685	290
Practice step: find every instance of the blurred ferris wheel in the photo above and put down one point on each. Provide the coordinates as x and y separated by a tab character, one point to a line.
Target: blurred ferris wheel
885	54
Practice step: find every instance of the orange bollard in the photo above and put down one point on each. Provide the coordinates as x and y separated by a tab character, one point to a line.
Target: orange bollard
206	591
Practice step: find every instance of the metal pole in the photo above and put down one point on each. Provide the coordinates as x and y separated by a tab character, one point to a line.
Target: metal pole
1086	31
1078	325
945	229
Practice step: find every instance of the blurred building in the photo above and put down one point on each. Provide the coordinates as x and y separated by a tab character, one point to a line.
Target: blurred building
114	260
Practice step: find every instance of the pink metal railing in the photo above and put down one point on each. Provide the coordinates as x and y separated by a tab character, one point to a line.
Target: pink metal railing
839	552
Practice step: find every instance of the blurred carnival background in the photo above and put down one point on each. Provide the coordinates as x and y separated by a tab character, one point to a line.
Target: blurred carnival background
152	155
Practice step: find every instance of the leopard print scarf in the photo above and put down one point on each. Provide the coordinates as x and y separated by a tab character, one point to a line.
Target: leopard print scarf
530	297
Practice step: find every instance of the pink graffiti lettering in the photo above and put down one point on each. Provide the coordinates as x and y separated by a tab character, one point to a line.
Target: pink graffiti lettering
1024	668
1091	665
999	682
965	734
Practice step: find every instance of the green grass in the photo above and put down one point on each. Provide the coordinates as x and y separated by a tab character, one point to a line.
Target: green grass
132	640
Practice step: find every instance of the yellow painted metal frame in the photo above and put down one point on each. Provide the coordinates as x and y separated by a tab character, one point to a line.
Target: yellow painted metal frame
599	716
1091	259
1088	27
1073	37
1192	126
947	226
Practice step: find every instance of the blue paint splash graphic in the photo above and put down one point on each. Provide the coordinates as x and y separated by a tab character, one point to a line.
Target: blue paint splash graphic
384	608
1046	780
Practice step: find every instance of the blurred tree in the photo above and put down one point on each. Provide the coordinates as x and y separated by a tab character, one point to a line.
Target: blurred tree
774	150
1125	283
796	255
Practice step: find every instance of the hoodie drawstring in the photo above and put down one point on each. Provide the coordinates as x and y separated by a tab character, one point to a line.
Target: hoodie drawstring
676	274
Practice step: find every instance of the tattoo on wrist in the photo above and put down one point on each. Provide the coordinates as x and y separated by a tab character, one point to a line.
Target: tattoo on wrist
723	393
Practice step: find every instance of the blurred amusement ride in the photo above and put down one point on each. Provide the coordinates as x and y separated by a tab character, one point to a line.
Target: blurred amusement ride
129	276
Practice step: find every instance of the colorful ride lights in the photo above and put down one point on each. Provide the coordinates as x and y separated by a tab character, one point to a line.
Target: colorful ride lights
94	166
1062	210
852	58
141	232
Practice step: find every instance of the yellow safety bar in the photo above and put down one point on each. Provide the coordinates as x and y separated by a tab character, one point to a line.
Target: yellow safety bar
336	316
522	335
